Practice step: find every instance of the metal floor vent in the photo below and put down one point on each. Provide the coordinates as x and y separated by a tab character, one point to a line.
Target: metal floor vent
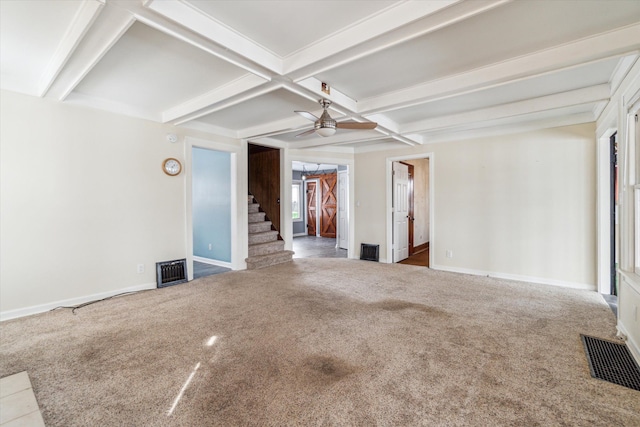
171	272
369	252
611	362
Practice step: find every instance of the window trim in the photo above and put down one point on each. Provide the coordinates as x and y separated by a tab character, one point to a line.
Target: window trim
300	199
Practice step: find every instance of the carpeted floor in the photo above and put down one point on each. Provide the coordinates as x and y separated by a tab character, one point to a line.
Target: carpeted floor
320	342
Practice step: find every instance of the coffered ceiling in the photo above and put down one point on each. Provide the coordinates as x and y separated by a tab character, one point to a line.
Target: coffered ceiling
425	71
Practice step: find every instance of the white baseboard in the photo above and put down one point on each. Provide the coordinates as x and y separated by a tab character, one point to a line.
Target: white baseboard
518	278
300	235
633	346
35	309
212	261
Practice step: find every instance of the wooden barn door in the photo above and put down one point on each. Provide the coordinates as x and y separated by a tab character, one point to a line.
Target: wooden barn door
329	206
311	207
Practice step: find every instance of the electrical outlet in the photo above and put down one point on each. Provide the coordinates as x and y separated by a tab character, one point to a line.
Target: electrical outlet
140	268
449	253
210	246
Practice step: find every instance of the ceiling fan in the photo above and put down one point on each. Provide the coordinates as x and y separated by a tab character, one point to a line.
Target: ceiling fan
326	126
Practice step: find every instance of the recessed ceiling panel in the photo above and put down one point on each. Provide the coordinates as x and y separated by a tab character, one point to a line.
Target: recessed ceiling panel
563	81
276	105
508	31
153	71
30	32
284	27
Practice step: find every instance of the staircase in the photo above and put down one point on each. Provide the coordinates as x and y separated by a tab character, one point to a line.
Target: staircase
264	247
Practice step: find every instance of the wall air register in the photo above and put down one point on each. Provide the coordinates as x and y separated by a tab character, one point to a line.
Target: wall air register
369	252
170	273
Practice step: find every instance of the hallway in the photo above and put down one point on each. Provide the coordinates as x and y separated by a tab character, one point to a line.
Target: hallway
317	247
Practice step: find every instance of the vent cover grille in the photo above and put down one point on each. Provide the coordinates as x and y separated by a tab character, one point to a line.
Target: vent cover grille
369	252
611	362
171	272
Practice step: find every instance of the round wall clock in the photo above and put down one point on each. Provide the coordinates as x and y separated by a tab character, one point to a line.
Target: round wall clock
171	166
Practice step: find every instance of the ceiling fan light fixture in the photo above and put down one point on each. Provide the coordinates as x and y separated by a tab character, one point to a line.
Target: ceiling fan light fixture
326	131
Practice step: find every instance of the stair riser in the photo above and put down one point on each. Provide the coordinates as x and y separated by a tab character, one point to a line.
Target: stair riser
264	249
263	238
254	207
268	261
259	227
256	217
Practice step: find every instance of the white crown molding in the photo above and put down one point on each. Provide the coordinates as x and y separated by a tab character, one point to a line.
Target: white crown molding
210	129
77	98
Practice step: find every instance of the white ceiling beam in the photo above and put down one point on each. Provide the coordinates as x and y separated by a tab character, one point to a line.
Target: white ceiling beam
347	137
614	43
392	18
503	127
551	102
278	127
394	26
103	34
234	88
231	101
313	90
82	21
189	16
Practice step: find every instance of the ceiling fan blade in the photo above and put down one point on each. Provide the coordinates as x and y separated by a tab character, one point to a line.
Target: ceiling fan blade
356	125
307	115
306	132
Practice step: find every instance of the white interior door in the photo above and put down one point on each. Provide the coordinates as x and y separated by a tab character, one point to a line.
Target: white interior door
400	211
343	205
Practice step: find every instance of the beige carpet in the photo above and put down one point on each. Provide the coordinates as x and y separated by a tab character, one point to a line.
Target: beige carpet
321	342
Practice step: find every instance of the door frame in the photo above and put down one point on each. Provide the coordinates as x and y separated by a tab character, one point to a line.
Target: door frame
306	205
389	204
332	159
239	207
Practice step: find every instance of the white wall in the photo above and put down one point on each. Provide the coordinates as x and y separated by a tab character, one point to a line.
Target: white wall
83	201
519	206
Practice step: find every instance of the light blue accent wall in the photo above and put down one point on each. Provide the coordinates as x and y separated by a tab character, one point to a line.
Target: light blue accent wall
211	180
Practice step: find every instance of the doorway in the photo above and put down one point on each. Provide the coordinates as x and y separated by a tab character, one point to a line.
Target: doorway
325	219
264	181
410	218
211	198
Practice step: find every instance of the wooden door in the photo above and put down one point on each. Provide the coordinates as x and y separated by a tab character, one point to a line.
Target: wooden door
264	180
328	221
311	208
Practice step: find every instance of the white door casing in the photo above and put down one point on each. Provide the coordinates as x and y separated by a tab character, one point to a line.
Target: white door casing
343	206
400	181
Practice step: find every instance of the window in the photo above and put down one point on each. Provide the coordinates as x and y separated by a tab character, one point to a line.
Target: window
296	201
